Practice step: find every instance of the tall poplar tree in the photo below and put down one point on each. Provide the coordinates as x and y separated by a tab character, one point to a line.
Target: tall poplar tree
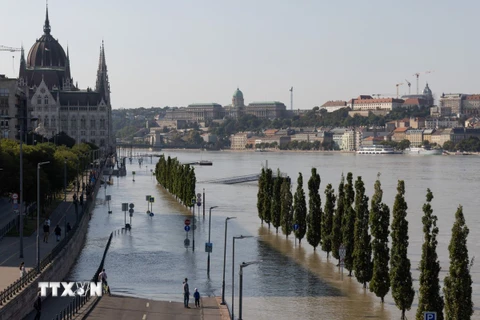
261	193
379	225
300	210
275	210
267	200
429	298
458	283
314	218
400	274
337	231
362	254
286	207
348	223
327	220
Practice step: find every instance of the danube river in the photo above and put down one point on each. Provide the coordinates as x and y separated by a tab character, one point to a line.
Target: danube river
291	281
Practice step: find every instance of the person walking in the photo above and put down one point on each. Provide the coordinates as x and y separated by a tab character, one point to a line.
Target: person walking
46	232
38	307
58	232
102	277
69	227
196	295
23	272
186	293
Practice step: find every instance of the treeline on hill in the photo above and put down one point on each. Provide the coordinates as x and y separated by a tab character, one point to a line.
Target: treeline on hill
51	175
177	178
365	233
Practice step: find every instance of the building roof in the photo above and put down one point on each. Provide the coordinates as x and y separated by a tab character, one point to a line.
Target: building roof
473	97
238	94
338	103
209	104
81	98
399	130
428	131
381	100
415	101
257	103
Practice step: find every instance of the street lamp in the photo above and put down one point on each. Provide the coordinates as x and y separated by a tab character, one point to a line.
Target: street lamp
233	272
38	213
209	228
65	180
243	265
224	259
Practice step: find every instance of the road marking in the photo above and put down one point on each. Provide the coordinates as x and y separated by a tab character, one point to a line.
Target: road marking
144	317
148	304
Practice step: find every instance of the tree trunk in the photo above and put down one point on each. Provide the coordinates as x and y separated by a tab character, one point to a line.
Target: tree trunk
403	315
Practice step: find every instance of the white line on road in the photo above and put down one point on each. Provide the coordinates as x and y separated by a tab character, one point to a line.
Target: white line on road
144	317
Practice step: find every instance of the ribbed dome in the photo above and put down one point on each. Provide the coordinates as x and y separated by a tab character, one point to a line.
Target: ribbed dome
427	91
238	94
46	52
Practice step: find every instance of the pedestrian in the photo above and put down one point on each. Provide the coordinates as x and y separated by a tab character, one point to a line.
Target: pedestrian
81	199
58	232
69	227
38	307
48	221
23	272
102	277
186	293
46	232
196	295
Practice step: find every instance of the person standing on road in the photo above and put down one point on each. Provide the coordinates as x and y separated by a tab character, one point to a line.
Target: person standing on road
46	232
69	227
196	295
186	293
38	307
58	232
23	272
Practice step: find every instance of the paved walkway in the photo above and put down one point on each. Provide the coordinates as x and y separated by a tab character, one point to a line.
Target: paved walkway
127	308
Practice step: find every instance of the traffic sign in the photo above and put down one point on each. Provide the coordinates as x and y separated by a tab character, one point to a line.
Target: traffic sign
131	211
342	252
131	206
199	204
108	197
430	315
295	227
187	222
152	199
151	214
15	206
193	201
208	246
187	228
124	206
199	195
15	196
147	198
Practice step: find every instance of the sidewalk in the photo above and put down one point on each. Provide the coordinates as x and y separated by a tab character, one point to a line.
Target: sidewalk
10	246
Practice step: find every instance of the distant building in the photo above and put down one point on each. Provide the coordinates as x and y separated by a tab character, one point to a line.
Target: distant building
399	134
367	103
331	106
13	101
452	101
424	99
471	105
415	136
239	141
266	110
459	134
442	122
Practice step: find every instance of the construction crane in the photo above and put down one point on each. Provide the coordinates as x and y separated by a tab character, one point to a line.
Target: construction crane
398	85
10	49
409	84
418	74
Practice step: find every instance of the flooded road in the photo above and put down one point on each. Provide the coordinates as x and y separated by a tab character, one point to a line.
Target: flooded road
292	281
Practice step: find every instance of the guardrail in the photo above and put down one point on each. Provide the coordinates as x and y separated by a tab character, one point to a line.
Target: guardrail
6	228
21	283
79	301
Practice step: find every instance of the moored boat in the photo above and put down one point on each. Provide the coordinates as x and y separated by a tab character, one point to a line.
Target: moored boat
423	151
376	150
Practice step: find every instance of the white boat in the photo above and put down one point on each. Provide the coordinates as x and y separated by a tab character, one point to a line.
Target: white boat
423	151
376	150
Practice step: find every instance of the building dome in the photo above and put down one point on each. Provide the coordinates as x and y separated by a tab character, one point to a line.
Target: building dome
46	52
238	94
427	91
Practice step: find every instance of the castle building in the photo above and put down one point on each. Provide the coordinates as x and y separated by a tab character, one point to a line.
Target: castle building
59	105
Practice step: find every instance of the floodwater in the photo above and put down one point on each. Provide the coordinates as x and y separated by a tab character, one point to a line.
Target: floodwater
291	281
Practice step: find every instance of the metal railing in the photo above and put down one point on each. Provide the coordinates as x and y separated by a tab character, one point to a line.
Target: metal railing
6	228
13	289
78	302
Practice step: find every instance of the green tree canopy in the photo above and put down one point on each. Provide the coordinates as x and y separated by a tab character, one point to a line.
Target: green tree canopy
300	210
314	218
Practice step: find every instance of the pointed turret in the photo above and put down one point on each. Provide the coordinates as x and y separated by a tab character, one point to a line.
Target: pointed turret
23	67
102	85
46	26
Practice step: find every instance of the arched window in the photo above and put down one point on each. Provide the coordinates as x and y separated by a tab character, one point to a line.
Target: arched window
92	123
46	100
83	123
47	123
54	121
39	100
73	123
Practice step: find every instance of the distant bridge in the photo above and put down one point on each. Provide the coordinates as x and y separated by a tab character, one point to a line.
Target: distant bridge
240	179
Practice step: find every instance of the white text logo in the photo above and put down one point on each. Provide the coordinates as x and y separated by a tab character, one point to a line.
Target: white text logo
71	289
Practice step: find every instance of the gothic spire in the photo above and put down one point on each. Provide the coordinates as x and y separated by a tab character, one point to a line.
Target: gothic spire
46	26
102	85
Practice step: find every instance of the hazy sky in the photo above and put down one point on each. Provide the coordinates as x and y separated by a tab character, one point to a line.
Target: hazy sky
177	52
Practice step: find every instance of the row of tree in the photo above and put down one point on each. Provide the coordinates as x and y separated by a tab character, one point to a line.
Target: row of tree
51	175
177	178
365	235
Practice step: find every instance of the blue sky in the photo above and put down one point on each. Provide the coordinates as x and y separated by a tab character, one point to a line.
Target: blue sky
179	52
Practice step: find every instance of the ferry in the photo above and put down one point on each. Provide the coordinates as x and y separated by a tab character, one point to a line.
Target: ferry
376	150
423	151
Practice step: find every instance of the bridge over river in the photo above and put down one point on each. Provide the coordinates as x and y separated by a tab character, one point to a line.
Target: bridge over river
240	179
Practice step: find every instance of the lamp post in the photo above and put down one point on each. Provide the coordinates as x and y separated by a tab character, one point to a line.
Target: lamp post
209	228
38	213
243	265
65	180
233	272
224	259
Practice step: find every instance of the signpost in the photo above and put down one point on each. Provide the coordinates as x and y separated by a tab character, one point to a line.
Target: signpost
187	228
147	198
108	198
208	246
187	222
342	252
193	231
133	173
430	315
125	209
